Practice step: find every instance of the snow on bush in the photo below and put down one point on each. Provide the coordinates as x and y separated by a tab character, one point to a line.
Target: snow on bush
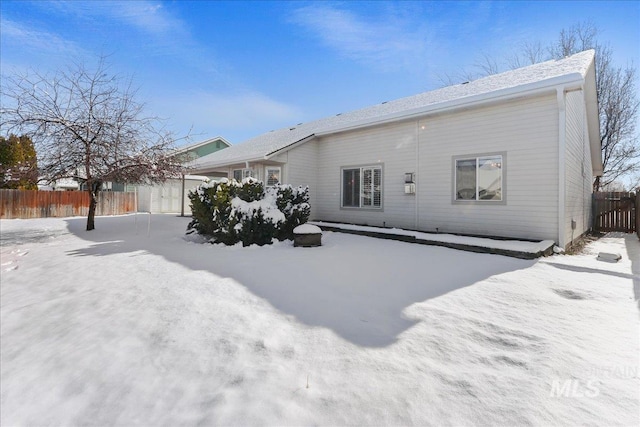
230	212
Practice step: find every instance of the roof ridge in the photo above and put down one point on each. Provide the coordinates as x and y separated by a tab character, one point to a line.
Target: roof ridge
554	71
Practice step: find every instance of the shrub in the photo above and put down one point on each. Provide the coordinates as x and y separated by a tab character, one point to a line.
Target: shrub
230	212
294	204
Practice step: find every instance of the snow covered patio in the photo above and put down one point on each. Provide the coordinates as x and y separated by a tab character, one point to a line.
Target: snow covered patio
117	326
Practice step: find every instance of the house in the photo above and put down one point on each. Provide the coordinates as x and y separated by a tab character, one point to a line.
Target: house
63	184
509	155
171	196
201	149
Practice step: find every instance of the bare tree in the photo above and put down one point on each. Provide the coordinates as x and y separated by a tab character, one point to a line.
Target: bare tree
577	38
617	103
487	65
87	125
616	92
528	54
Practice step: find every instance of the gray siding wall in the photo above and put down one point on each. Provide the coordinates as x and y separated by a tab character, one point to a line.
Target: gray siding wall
578	173
394	147
301	168
526	130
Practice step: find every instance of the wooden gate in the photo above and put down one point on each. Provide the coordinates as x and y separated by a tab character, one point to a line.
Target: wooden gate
615	211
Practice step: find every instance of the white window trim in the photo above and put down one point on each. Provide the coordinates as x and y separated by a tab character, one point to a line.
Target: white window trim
246	173
266	174
477	200
361	207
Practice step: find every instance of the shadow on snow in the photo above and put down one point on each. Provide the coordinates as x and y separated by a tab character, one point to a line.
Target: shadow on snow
356	286
633	252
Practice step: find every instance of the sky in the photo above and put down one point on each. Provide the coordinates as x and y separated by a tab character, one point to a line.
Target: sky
239	69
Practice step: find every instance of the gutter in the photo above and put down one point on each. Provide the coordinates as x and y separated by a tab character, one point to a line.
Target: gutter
567	81
466	102
290	146
224	162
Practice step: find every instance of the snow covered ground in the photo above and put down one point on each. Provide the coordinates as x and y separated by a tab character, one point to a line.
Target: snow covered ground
117	326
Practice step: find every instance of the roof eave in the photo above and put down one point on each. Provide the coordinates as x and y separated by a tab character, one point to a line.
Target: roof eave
466	102
593	121
289	147
200	144
224	162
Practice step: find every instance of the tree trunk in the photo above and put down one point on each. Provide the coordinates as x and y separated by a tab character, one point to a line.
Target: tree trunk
93	188
92	211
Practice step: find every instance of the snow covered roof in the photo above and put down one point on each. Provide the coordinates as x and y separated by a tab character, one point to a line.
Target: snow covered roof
572	69
196	145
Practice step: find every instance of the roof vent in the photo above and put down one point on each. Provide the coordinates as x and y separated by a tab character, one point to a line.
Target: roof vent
339	114
385	102
464	83
299	124
292	128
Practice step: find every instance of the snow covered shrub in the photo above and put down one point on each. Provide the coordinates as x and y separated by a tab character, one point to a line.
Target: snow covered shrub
250	190
258	220
293	202
231	212
211	210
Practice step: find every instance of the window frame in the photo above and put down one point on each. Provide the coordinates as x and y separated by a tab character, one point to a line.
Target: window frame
478	157
266	175
361	195
245	172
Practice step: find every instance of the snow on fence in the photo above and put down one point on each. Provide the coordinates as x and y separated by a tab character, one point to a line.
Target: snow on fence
45	204
615	211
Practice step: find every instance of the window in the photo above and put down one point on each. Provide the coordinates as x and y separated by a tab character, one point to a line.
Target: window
272	174
479	178
240	174
362	187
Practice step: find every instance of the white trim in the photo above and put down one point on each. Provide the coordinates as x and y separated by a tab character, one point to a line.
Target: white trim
266	174
361	193
526	90
289	147
227	162
477	199
562	124
416	177
532	89
575	79
193	146
244	172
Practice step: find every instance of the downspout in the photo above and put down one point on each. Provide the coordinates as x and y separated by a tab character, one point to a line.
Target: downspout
417	175
562	123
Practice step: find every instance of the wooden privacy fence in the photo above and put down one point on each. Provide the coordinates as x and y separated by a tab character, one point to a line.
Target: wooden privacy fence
45	204
616	211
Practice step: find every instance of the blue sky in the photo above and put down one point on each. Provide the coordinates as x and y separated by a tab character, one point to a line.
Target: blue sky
238	69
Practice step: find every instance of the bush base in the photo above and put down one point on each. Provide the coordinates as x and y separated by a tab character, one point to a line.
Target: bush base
307	240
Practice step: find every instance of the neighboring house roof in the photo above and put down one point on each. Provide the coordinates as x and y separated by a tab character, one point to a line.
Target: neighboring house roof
201	147
571	70
65	183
